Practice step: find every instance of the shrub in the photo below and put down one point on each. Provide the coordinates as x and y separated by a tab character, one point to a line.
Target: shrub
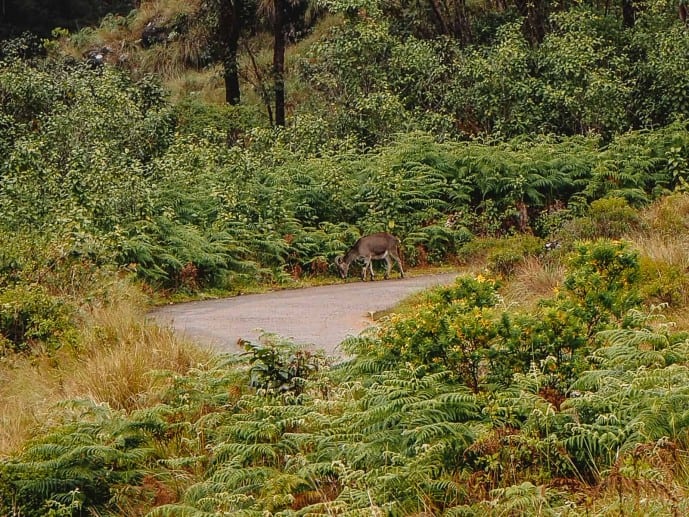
477	249
461	329
279	366
435	243
168	254
661	282
511	252
601	282
87	457
607	218
450	331
31	317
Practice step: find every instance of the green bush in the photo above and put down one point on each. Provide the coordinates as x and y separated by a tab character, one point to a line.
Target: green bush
511	251
31	318
607	218
661	282
602	281
434	244
461	329
279	366
451	331
82	461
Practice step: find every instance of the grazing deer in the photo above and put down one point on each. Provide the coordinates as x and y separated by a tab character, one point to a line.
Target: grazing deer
378	246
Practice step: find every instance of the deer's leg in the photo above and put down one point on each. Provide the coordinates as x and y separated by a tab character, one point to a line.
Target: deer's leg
388	262
370	267
367	264
399	264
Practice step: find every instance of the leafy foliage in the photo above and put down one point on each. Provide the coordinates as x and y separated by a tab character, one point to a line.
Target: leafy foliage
276	367
80	461
456	407
530	115
30	316
186	211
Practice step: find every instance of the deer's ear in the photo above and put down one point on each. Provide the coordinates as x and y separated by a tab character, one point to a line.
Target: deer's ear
338	260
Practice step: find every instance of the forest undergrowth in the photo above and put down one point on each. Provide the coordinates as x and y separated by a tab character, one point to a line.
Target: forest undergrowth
541	149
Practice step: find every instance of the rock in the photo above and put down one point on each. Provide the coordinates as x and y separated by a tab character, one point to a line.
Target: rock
96	57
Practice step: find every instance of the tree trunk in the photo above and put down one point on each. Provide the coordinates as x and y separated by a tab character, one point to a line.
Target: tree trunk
535	13
279	61
230	28
628	17
451	19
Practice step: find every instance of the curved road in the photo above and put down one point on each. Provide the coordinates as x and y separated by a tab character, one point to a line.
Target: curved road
318	316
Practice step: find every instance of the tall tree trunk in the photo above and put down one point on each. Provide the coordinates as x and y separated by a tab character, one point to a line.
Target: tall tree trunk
451	19
628	16
230	28
536	14
279	60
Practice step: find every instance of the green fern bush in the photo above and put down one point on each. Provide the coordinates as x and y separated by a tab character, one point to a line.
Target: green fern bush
376	435
151	189
88	456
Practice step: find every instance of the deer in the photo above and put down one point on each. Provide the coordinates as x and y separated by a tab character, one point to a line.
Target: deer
377	246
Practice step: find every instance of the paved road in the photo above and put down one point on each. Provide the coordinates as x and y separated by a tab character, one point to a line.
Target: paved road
319	316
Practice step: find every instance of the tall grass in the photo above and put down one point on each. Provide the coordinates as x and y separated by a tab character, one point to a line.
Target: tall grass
670	250
121	353
535	278
665	238
114	363
27	388
168	59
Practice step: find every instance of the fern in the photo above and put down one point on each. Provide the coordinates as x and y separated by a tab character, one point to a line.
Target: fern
176	510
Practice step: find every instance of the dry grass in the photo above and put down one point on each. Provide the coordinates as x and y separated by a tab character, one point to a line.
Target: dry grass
206	85
164	10
27	388
535	278
122	34
121	352
671	250
669	215
665	237
114	365
163	60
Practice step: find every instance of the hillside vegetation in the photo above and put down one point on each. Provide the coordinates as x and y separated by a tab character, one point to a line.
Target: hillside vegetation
542	148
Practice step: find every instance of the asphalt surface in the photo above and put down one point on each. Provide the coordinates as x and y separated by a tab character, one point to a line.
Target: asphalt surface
321	317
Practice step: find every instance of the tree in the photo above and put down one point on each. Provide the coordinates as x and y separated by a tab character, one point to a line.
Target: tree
535	13
230	27
628	13
285	17
227	20
279	45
